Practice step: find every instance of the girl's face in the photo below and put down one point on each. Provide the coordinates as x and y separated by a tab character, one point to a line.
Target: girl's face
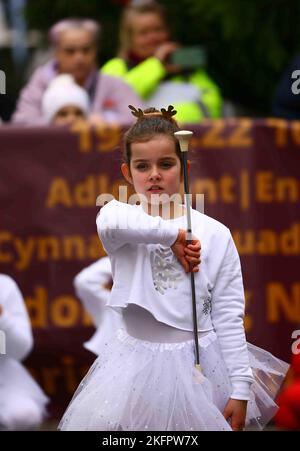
154	167
148	33
68	115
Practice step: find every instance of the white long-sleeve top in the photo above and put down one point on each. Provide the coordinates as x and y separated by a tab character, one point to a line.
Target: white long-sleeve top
90	288
146	272
14	320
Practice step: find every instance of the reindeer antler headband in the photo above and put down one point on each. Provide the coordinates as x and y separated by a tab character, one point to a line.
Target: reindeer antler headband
166	114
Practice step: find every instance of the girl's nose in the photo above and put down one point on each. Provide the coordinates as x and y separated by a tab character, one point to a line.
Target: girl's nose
155	175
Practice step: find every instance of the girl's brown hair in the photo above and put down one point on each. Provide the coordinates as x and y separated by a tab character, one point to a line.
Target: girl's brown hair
149	124
125	34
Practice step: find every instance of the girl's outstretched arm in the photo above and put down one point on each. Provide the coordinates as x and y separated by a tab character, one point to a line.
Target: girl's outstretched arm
119	224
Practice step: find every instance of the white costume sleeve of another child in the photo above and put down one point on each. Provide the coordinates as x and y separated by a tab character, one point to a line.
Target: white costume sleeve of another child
119	224
228	305
89	287
14	320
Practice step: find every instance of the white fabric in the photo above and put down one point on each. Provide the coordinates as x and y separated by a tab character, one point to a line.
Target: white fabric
21	413
20	396
171	93
63	91
146	273
139	323
139	385
14	320
89	287
22	401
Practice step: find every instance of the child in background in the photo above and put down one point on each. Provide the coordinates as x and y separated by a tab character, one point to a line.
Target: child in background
22	402
64	102
144	378
92	286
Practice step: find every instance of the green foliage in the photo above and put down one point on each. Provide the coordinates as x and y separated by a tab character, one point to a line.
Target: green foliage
249	42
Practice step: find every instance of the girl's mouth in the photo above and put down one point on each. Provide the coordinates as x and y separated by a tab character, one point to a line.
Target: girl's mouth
155	189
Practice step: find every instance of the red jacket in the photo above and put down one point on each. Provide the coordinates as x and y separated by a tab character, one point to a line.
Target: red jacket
288	415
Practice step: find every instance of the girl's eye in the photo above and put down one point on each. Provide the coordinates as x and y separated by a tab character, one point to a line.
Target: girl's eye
166	165
145	166
141	166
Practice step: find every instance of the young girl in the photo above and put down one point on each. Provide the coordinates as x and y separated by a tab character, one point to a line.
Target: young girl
22	402
64	102
144	378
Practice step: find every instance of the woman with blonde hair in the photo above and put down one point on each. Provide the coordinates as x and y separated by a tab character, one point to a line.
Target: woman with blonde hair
144	61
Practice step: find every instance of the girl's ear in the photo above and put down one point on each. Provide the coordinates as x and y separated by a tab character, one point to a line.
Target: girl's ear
126	173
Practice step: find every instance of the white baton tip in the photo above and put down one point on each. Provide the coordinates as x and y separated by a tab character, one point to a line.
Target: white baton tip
183	137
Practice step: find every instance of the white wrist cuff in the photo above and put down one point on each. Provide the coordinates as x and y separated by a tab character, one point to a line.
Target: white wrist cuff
241	390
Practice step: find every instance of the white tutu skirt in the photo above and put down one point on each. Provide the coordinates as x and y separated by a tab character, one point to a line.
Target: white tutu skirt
137	385
19	393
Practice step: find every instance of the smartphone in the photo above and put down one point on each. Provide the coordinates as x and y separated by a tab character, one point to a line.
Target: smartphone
189	57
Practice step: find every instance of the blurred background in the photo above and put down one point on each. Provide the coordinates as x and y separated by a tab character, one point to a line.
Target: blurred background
248	44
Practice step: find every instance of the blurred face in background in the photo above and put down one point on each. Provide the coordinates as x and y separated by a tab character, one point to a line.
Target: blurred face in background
76	54
148	32
68	115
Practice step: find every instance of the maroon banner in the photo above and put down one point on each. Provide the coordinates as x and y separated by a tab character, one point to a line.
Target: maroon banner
249	173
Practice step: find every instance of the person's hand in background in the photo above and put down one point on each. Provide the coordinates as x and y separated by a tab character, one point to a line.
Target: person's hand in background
164	52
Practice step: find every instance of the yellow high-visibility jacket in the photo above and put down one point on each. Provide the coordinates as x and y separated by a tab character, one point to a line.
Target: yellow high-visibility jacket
146	77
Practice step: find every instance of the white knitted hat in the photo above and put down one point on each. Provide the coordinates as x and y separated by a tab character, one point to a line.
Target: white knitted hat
61	92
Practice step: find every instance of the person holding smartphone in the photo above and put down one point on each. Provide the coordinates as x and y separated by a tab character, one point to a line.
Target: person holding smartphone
159	70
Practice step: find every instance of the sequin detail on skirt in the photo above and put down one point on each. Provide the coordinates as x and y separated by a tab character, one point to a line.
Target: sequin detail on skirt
139	385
